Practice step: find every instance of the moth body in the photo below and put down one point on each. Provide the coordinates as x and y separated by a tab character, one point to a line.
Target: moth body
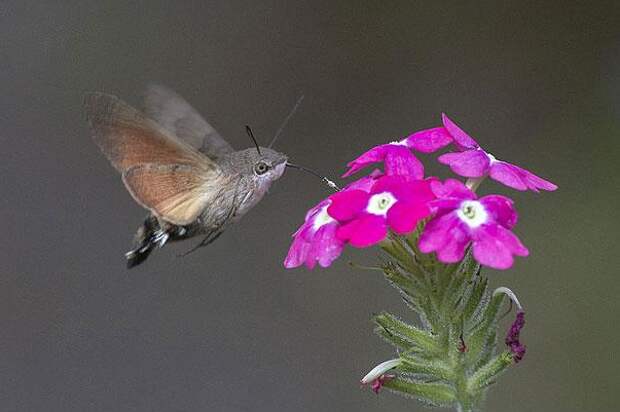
179	168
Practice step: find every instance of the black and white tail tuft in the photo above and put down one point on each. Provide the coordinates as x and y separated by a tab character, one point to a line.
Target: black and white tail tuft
148	237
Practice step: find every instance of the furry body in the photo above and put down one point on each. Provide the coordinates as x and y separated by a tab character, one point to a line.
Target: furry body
178	167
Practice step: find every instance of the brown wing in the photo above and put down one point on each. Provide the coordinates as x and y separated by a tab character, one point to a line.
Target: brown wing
162	173
177	193
128	138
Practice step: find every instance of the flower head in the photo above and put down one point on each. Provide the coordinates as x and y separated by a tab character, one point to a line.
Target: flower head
473	161
394	202
512	337
316	241
461	219
397	155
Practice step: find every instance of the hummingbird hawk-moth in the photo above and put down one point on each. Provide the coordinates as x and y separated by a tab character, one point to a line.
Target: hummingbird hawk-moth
175	165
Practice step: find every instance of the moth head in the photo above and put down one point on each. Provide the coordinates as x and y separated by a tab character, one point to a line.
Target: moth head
269	164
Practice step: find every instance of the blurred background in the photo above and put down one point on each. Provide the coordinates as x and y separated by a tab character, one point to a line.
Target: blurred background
228	328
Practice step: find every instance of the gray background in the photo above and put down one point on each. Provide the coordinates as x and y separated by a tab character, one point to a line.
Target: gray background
228	329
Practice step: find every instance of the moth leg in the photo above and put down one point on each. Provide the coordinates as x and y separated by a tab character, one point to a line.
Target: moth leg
211	237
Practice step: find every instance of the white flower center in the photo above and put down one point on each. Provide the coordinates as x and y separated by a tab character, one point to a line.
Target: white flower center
322	218
399	143
472	213
380	203
492	159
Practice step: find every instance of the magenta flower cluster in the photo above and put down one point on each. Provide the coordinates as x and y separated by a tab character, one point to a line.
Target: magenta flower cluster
399	197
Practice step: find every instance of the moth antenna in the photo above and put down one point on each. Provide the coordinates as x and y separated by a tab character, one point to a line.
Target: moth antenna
329	183
248	130
286	119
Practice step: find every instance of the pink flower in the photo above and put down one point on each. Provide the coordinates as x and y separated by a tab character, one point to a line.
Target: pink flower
394	202
316	241
460	219
473	161
429	140
397	156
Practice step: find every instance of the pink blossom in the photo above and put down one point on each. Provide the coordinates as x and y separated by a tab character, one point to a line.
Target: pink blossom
397	158
394	202
461	219
316	241
429	140
473	161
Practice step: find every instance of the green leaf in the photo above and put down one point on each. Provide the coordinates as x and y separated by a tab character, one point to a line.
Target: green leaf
478	338
419	365
488	349
475	299
417	337
395	340
402	280
434	393
487	374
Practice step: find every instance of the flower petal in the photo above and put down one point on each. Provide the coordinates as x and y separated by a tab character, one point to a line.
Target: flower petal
501	210
310	247
451	188
374	155
297	253
365	183
535	182
316	209
508	173
400	161
405	188
446	236
325	246
494	246
462	139
363	232
503	173
429	140
419	191
305	232
470	163
404	217
347	204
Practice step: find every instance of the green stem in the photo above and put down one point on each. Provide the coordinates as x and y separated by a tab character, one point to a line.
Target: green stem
452	358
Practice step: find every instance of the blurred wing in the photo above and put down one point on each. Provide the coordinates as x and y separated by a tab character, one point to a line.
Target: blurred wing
162	173
177	193
128	138
177	116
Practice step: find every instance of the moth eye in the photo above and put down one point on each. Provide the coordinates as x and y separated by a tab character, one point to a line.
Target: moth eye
261	168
